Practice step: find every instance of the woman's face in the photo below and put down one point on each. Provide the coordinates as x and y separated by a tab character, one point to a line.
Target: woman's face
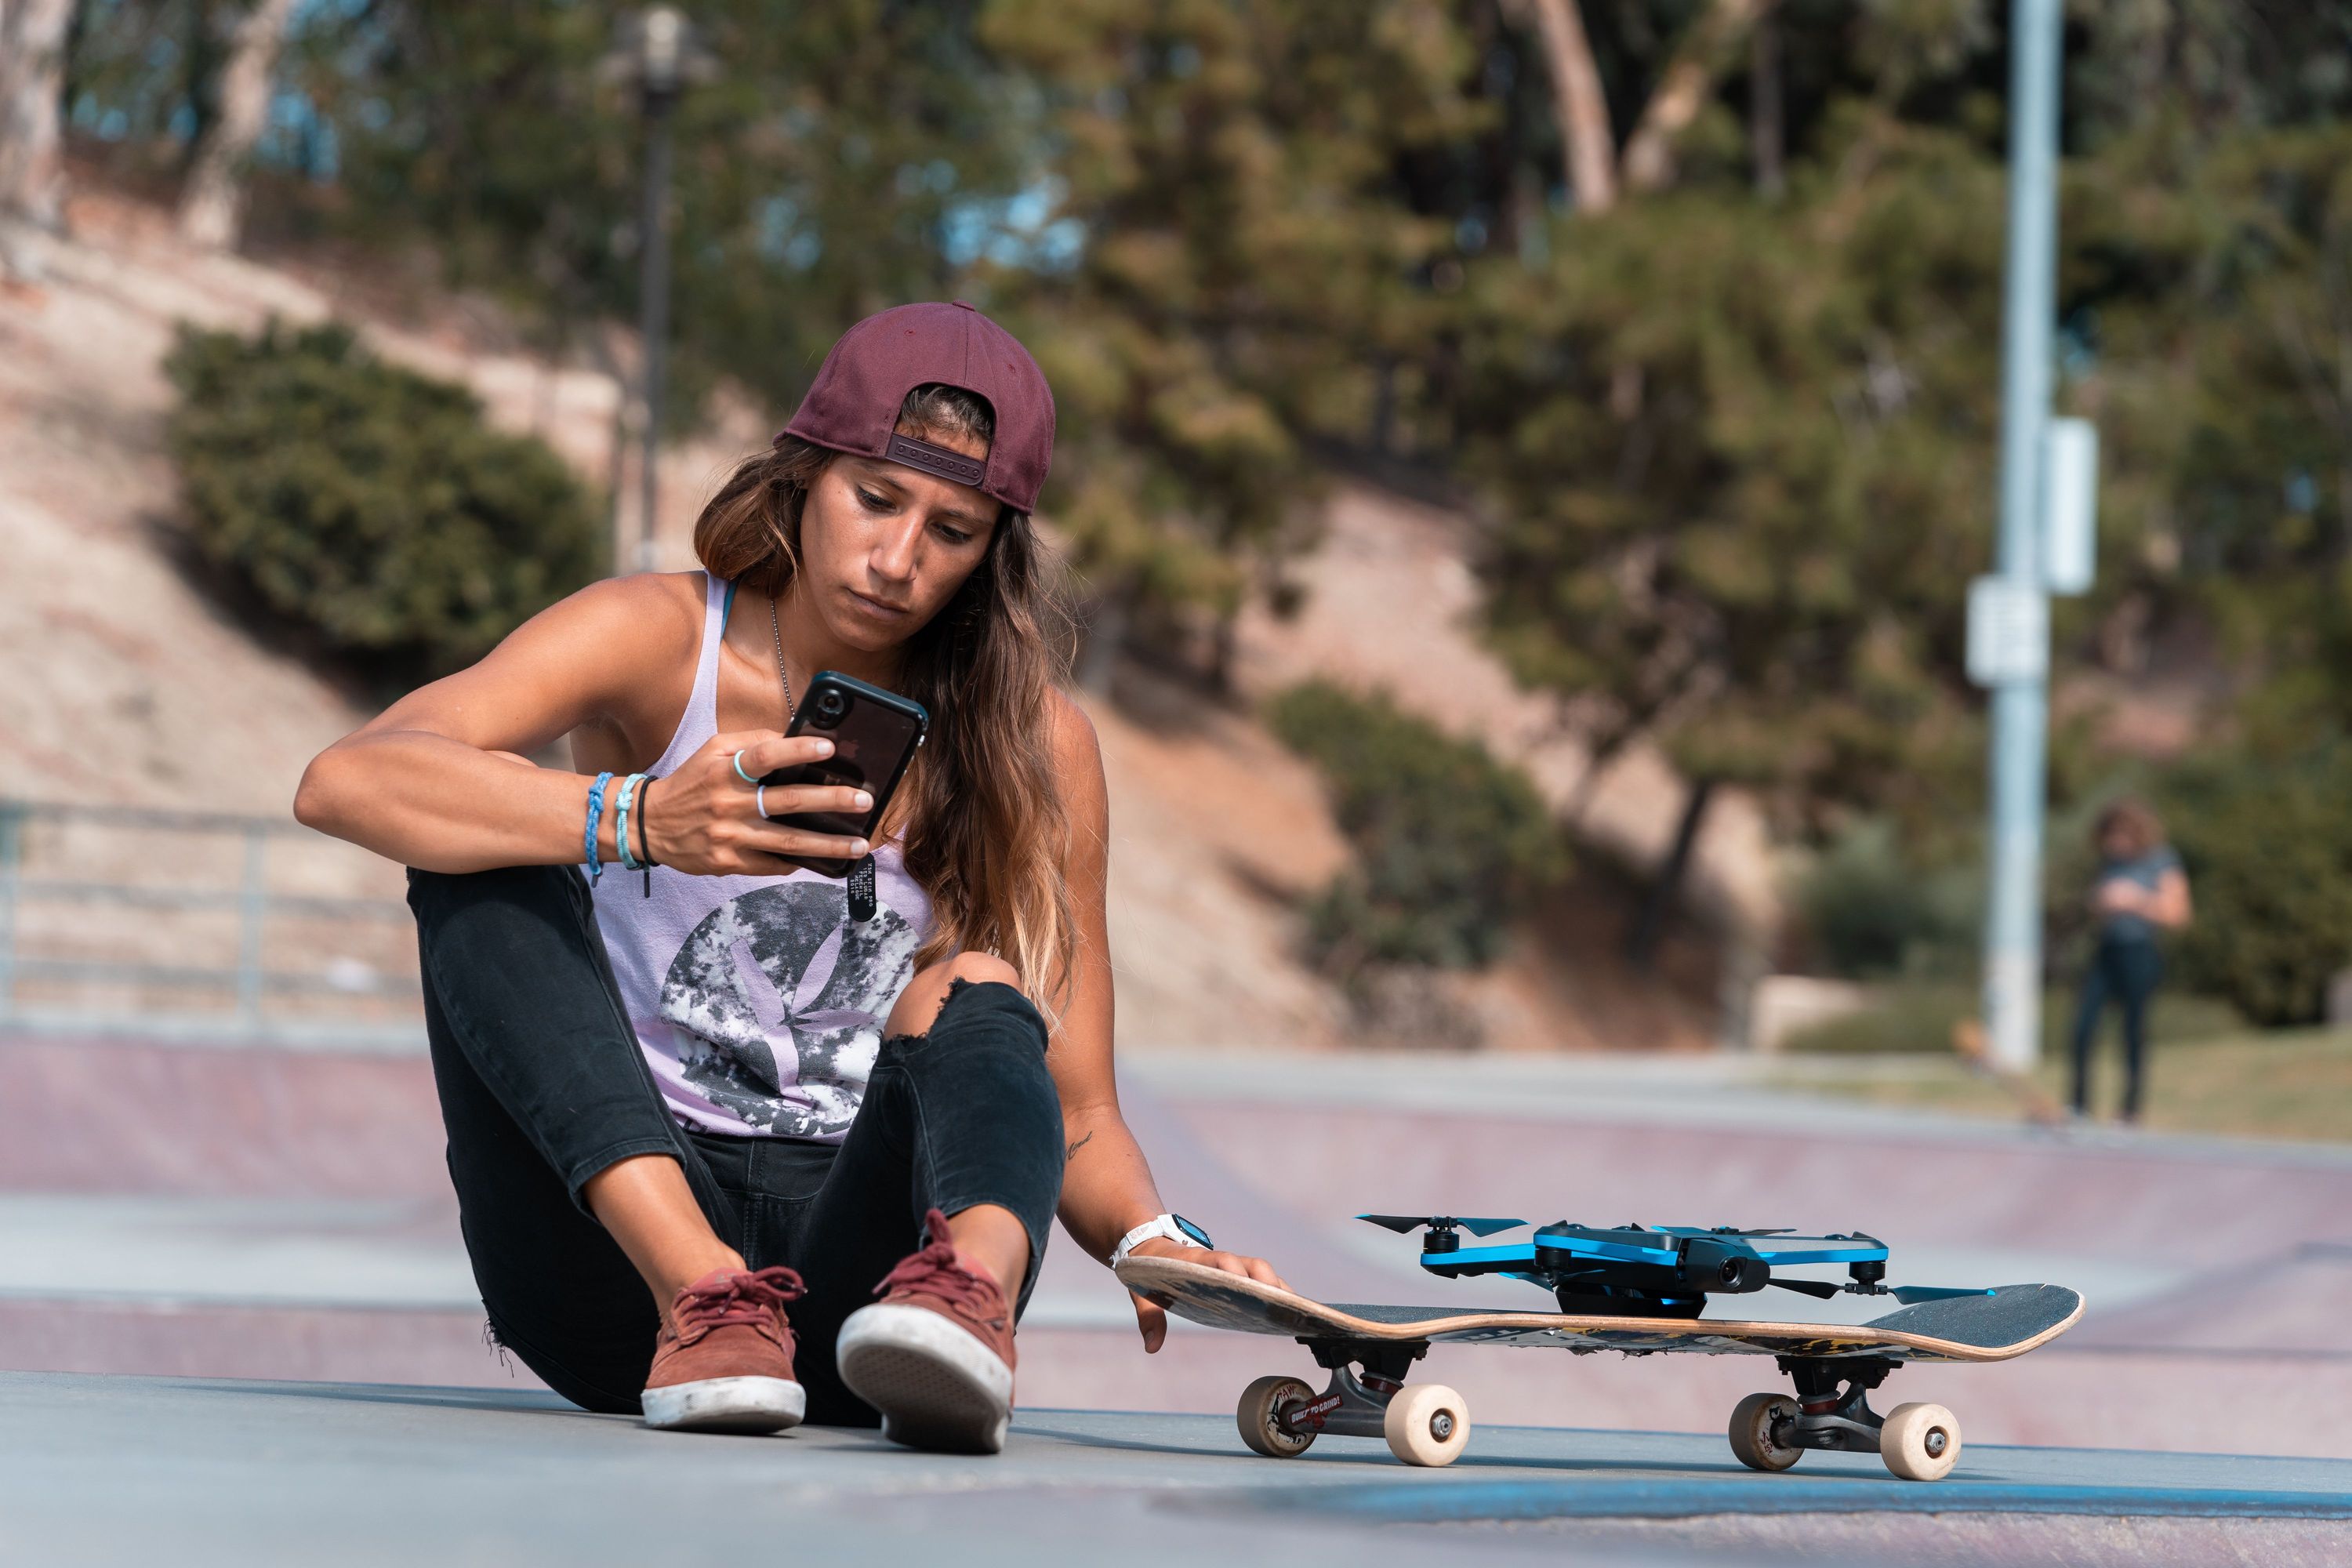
883	547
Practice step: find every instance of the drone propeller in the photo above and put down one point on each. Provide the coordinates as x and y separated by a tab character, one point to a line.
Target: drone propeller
1406	1224
1908	1295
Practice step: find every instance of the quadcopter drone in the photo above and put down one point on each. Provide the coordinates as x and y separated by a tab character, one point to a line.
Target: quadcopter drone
1655	1271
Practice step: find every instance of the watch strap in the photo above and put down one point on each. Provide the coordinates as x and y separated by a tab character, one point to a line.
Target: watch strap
1165	1226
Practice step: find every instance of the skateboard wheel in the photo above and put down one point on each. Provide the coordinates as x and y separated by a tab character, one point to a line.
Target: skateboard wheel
1752	1424
1426	1424
1920	1442
1261	1402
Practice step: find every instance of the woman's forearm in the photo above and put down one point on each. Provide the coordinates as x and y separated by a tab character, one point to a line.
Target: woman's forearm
427	800
1106	1186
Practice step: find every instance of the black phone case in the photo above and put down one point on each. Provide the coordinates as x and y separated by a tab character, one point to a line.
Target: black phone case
873	741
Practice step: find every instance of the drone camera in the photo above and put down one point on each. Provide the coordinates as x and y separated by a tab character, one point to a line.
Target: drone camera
1717	1266
1743	1273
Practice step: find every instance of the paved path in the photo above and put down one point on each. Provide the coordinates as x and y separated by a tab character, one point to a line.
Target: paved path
107	1470
295	1222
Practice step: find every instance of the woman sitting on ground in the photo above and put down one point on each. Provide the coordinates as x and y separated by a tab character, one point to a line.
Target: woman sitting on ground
717	1082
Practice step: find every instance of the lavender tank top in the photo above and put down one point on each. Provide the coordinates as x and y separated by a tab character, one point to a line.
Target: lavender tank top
758	1002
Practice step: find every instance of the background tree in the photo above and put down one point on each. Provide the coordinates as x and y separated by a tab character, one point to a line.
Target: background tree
1739	455
1588	142
1740	462
846	157
1238	268
32	167
212	203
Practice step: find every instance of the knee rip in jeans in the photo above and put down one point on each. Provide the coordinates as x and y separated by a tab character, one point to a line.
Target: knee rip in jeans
956	988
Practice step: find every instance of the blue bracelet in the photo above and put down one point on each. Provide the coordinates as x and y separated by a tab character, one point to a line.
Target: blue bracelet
595	815
629	861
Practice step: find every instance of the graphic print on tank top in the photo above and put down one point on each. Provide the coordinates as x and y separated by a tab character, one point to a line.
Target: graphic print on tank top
778	993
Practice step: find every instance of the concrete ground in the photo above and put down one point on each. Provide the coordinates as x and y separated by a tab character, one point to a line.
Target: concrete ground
126	1469
220	1214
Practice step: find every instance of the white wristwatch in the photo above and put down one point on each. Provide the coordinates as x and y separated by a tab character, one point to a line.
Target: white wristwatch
1172	1226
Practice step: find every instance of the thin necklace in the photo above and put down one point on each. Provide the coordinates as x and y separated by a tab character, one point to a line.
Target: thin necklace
777	631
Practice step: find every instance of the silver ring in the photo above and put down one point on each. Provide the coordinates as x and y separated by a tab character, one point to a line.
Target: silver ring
763	797
740	773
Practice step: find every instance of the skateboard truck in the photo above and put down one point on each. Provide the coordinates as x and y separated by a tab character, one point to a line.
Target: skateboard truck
1424	1425
1832	1410
1834	1404
1352	1406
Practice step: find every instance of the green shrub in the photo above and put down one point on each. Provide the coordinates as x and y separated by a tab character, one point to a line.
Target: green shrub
2267	845
369	502
1451	846
1873	910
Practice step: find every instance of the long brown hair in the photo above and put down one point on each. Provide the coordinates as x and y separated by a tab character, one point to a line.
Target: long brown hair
986	832
2135	818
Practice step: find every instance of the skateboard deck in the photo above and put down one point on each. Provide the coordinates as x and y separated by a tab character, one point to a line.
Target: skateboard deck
2012	1321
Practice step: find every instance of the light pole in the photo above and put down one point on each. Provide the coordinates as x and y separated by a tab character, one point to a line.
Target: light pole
2008	612
660	53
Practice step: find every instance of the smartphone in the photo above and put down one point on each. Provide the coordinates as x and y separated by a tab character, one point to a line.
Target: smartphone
874	735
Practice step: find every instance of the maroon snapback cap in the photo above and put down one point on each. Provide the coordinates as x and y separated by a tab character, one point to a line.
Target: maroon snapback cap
852	405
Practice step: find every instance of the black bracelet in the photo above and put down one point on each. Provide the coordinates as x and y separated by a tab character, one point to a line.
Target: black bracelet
645	839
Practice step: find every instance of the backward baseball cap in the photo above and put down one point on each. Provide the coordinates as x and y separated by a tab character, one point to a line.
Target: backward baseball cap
852	405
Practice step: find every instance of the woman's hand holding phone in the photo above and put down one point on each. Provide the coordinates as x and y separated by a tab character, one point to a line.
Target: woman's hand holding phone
704	820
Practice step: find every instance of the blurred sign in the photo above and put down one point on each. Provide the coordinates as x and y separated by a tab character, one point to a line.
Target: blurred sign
2070	505
2009	632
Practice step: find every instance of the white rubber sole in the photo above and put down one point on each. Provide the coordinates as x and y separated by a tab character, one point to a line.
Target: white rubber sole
727	1404
937	1386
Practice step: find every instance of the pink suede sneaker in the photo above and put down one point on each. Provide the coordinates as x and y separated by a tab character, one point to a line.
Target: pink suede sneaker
935	1355
724	1361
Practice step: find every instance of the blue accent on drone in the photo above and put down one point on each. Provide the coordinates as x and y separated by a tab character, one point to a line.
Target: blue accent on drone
1825	1251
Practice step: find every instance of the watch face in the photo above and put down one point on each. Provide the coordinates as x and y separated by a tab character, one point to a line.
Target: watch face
1195	1231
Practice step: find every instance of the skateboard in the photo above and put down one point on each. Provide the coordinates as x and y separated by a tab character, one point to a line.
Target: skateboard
1834	1367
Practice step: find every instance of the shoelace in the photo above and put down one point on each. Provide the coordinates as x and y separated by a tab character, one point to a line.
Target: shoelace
746	1298
935	1272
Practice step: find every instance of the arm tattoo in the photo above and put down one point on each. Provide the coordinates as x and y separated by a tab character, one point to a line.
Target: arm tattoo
1071	1153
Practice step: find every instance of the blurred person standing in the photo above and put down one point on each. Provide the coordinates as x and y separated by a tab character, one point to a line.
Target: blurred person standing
2139	893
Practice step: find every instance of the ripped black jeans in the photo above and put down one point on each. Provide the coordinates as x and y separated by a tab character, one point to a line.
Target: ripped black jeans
542	1085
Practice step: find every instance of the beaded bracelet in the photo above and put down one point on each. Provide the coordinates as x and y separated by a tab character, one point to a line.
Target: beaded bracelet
595	815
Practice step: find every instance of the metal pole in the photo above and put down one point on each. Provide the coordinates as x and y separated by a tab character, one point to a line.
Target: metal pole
653	303
2012	979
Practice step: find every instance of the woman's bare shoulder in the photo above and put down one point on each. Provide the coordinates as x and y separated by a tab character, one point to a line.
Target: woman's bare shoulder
1077	749
660	606
1070	730
611	638
622	628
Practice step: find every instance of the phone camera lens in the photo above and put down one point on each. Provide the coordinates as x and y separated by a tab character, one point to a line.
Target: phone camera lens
831	702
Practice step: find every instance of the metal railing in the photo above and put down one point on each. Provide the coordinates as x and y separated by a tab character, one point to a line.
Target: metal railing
246	904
